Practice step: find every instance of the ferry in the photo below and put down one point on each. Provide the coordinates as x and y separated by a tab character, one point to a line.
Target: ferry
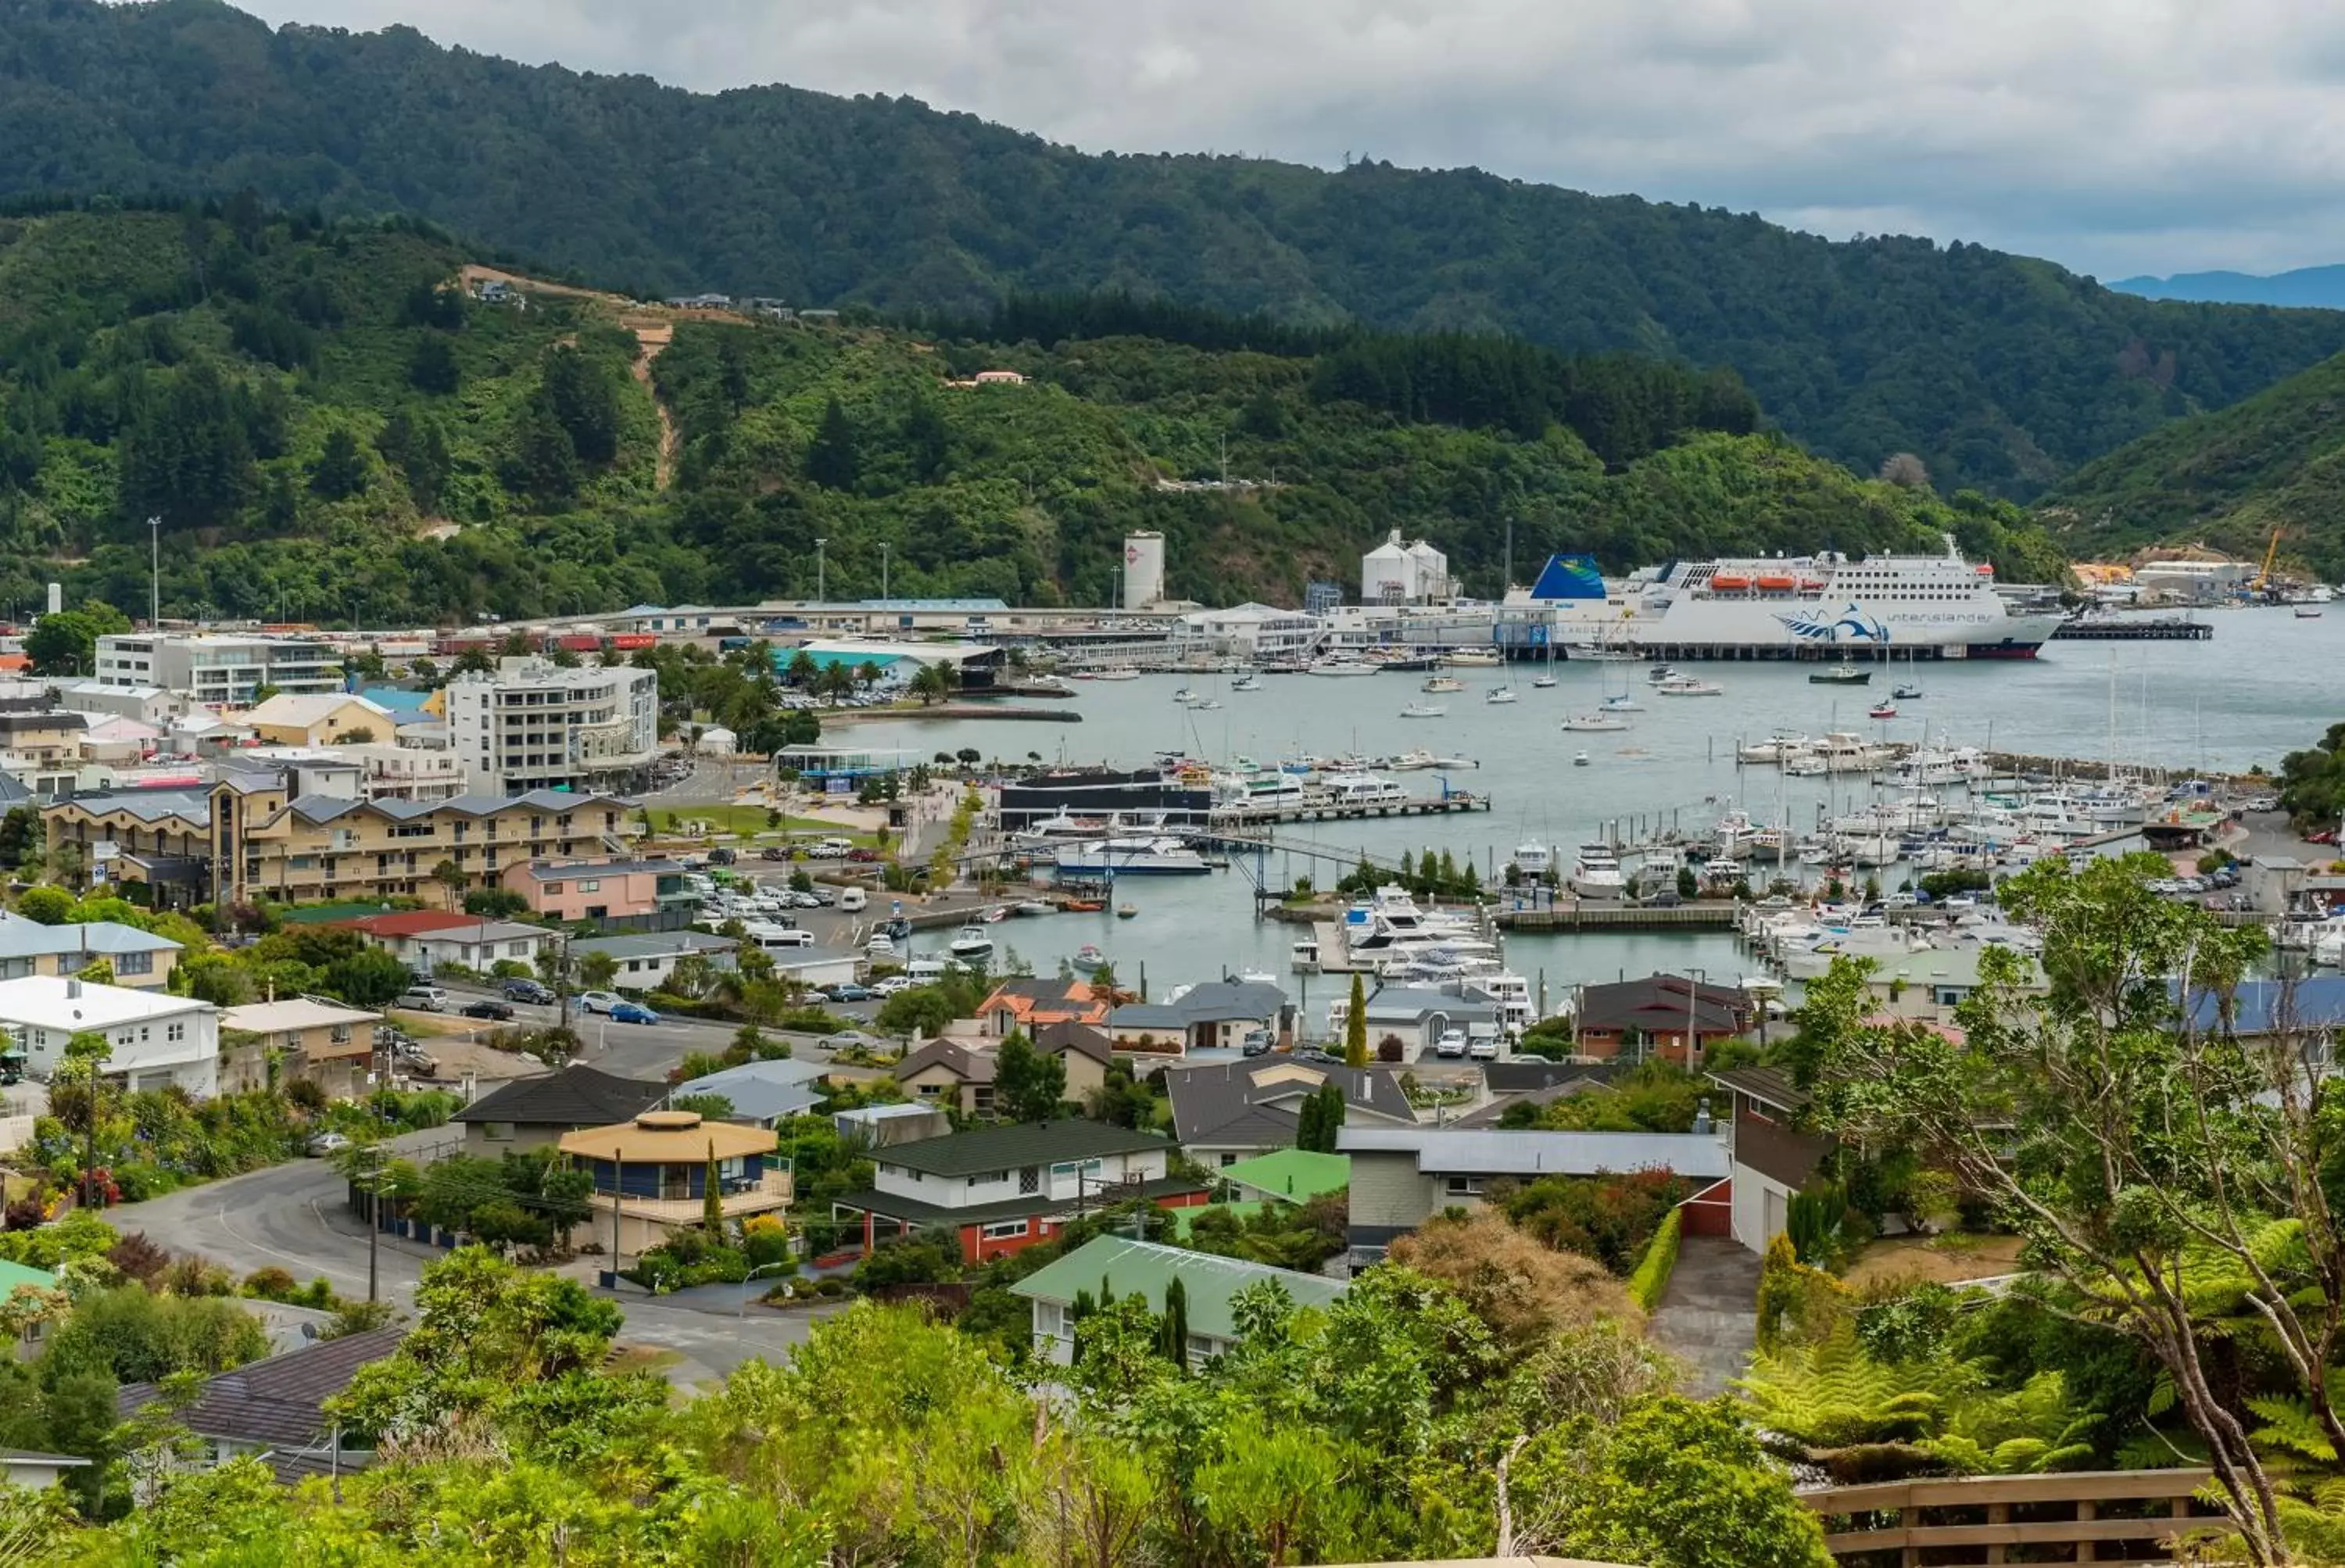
1822	605
1131	858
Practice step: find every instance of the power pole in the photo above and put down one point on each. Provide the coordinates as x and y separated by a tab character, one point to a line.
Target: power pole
154	574
821	581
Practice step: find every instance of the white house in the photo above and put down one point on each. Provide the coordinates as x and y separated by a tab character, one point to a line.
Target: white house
158	1039
646	962
1250	631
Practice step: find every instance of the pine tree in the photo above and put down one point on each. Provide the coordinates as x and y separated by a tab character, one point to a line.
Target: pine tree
1174	1326
712	1195
432	366
340	471
833	460
543	464
580	393
1356	1027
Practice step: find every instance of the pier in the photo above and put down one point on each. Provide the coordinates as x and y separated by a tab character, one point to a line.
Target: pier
1577	914
1327	810
2165	629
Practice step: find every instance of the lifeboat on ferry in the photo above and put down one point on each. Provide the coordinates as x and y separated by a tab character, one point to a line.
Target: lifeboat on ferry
1728	582
1986	568
1775	585
1812	585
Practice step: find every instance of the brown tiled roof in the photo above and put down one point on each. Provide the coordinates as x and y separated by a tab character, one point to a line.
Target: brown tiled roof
280	1400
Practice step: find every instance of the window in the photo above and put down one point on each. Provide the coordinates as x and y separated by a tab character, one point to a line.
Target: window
590	885
1002	1230
553	890
497	1132
1029	1180
1050	1318
1464	1186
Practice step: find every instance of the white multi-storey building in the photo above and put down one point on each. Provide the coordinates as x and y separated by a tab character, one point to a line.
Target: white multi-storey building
534	724
218	669
156	1040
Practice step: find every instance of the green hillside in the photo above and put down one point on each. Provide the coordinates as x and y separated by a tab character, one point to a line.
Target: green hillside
2226	478
329	429
2001	373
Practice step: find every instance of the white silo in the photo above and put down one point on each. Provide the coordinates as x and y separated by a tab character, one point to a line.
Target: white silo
1143	570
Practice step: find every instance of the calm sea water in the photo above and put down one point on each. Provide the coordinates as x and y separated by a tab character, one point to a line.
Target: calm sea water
2264	686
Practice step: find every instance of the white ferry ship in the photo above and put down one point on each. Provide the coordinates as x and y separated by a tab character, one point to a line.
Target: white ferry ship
1941	606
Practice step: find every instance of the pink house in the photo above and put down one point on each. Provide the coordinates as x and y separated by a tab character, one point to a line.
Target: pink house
607	890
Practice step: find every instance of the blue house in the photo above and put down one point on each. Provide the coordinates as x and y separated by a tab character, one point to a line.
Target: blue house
652	1173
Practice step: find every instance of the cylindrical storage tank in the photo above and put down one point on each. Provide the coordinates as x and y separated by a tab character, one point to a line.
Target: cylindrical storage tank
1143	570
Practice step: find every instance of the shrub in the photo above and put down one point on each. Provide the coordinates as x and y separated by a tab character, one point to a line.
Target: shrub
1523	1291
908	1263
270	1284
1652	1276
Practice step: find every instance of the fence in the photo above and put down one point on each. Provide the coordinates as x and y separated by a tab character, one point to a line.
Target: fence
2101	1516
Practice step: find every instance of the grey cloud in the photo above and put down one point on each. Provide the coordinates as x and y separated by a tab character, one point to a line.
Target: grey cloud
2112	134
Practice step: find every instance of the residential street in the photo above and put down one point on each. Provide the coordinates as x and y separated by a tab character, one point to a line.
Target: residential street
635	1050
293	1217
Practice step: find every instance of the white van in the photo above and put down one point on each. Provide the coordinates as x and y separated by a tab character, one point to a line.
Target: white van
774	937
926	971
851	899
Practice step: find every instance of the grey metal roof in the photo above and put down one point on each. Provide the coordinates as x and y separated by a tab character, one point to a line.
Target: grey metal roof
577	1096
1026	1143
654	944
1415	1003
761	1091
1207	1099
149	805
1450	1151
22	938
1214	1002
571	870
280	1400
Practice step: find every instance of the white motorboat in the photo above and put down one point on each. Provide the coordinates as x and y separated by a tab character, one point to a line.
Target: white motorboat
1246	683
1182	694
1659	673
1533	860
1342	667
1499	694
1543	683
1455	762
1780	746
1202	705
1596	874
971	943
1687	685
1117	675
1090	959
1134	857
1415	759
1442	683
1590	722
1579	759
1424	710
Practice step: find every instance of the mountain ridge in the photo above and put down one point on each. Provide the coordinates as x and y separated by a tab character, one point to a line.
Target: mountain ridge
2301	288
2000	372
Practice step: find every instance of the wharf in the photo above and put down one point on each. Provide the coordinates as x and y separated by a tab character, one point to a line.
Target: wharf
1336	811
2165	629
949	711
1573	914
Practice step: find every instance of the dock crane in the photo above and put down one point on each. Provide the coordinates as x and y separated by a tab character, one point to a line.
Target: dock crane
2261	584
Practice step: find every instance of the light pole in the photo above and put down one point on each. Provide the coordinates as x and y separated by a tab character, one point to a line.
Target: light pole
821	582
155	574
741	1313
883	572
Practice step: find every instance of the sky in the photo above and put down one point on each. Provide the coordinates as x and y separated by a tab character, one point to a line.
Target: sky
2116	137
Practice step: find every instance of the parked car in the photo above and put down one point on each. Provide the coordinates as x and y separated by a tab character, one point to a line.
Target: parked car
633	1013
852	899
1257	1042
601	1001
528	991
324	1144
721	857
498	1011
849	991
1313	1054
1451	1043
888	985
774	852
423	999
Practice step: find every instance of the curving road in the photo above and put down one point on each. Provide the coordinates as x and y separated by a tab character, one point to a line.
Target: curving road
293	1217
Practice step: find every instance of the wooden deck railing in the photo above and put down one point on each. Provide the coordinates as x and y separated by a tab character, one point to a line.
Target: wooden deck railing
2102	1516
770	1191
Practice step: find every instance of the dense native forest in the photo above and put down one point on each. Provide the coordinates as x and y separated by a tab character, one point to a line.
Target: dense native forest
2228	478
1999	371
329	427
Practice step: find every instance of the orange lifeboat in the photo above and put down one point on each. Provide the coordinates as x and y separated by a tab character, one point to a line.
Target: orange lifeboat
1986	568
1730	581
1775	585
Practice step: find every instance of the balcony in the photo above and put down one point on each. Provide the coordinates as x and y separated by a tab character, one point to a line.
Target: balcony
739	1199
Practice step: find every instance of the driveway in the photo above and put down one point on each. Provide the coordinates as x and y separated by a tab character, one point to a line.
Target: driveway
294	1216
1709	1316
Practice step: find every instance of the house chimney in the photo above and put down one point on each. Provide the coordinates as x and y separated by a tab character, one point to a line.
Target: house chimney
72	990
1702	1122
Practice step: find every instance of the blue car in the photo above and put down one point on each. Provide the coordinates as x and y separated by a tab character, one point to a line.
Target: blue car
633	1013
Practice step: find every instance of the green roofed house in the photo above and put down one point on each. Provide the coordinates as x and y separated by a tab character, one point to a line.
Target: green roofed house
1290	1175
16	1277
1127	1268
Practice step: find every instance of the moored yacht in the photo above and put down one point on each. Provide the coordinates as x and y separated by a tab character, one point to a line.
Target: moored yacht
1596	874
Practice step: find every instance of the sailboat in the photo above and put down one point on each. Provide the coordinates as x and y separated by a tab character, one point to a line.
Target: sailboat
1498	694
1909	689
1543	682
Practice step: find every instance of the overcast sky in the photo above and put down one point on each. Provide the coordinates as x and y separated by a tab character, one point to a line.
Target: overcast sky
2115	136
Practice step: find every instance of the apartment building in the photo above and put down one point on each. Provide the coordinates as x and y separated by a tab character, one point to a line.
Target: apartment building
218	669
534	724
248	836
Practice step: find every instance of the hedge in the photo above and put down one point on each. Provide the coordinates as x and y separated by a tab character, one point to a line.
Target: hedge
1652	1276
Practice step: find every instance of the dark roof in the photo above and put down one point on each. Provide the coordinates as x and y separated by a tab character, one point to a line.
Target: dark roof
1207	1099
1080	1038
1661	1002
1034	1204
577	1096
1491	1115
1769	1085
970	1065
280	1400
1523	1073
1026	1143
1255	1128
1214	1002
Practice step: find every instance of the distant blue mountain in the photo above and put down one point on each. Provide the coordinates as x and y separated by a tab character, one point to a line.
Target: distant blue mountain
2322	288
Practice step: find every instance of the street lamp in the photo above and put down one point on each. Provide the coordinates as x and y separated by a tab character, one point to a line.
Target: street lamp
883	572
821	582
741	1313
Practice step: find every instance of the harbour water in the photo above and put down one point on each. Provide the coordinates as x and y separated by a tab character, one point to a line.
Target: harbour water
2263	687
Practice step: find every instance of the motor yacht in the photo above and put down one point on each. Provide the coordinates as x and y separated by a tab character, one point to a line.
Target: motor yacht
970	944
1596	874
1424	710
1594	721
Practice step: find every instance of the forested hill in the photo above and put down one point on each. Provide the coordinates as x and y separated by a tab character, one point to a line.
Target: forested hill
2001	373
2226	479
328	426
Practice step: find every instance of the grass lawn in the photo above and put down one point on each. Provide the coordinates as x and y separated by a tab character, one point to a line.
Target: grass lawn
426	1025
1947	1259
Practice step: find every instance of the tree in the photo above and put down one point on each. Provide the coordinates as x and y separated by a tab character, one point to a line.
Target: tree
340	471
583	396
2137	1145
712	1195
834	461
1905	471
432	366
1029	1086
542	464
1176	1320
1523	1291
932	683
1356	1027
451	878
1322	1118
597	970
48	906
67	643
369	978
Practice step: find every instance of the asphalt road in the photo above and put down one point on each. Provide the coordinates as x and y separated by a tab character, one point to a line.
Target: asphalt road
637	1050
294	1216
